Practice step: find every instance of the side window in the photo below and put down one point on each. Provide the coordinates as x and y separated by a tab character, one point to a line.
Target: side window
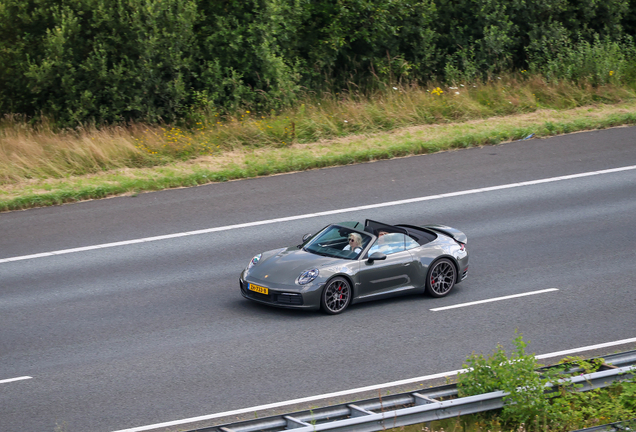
411	244
389	244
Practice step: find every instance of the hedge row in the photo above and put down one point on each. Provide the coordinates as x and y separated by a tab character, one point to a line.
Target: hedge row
108	61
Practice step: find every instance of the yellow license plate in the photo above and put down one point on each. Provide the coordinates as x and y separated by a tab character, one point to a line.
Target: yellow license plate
258	289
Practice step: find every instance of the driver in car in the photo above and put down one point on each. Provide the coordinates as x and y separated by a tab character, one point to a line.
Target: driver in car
355	243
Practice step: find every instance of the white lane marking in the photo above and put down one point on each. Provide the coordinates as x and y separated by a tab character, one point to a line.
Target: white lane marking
587	348
494	299
319	214
357	390
290	402
4	381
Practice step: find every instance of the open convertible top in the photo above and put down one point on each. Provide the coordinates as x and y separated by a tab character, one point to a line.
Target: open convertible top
422	235
374	227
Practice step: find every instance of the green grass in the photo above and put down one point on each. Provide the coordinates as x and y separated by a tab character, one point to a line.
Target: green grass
41	166
491	423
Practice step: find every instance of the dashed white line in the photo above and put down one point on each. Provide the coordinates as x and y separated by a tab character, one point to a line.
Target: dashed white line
319	214
353	391
494	299
4	381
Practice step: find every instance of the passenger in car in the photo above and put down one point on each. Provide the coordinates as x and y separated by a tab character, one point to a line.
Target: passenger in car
388	243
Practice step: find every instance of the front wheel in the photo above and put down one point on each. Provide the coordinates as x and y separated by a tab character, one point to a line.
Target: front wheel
441	278
336	296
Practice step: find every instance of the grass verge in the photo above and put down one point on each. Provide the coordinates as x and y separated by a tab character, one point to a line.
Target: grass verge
246	162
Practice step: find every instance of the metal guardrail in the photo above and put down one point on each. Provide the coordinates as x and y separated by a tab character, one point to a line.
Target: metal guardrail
421	406
627	358
629	425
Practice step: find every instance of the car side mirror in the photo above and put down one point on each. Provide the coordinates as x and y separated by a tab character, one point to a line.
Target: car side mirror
305	238
376	256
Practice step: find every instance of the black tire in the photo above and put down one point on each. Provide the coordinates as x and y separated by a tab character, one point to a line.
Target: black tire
441	278
336	296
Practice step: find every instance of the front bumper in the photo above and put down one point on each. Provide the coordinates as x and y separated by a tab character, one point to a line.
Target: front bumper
276	297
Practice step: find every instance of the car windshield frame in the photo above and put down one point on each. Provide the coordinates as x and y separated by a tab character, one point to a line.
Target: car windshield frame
332	239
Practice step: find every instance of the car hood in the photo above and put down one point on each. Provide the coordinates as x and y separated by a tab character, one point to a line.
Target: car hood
283	266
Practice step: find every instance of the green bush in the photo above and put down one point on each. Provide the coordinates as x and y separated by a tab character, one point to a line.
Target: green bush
598	63
515	375
529	407
112	61
101	60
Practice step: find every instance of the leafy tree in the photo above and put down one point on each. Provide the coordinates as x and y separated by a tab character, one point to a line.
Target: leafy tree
109	61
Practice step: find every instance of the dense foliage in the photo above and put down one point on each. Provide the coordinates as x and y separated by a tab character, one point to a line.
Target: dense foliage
529	407
108	61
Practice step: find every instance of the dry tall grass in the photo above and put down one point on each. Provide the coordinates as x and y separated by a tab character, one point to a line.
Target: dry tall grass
40	152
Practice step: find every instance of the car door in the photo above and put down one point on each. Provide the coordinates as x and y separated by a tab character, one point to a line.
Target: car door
394	274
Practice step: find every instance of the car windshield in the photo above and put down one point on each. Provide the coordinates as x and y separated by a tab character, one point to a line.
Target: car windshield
338	242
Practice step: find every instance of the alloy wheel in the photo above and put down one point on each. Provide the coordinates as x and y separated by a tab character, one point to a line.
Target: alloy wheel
441	278
336	296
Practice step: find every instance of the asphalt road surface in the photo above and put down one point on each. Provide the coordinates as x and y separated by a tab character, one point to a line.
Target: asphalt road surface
139	333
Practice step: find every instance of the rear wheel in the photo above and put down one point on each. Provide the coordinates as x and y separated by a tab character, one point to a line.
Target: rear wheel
441	278
336	296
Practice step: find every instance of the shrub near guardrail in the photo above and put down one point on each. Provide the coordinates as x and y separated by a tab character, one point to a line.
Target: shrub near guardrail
515	374
527	407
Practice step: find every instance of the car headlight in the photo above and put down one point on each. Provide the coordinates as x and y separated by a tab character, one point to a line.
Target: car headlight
254	261
307	276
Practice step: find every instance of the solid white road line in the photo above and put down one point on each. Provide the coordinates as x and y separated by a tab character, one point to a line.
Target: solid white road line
290	402
325	213
357	390
494	299
587	348
15	379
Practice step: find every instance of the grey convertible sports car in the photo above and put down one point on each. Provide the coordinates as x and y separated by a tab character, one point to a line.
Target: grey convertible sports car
349	263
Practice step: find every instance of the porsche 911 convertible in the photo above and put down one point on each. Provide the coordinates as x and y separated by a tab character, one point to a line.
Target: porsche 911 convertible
347	263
